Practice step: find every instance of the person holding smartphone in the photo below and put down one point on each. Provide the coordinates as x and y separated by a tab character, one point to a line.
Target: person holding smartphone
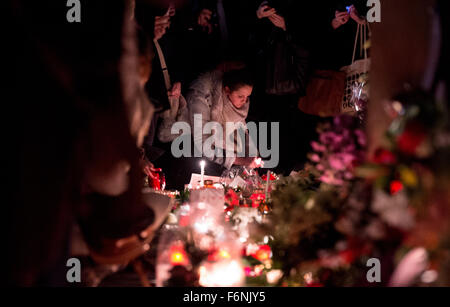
335	24
343	16
266	11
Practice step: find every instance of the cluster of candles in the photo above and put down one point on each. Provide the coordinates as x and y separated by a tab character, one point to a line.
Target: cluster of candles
258	162
223	267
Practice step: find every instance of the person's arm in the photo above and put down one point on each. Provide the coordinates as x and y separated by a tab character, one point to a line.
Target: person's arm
199	99
248	161
340	19
278	21
264	10
165	129
199	103
354	14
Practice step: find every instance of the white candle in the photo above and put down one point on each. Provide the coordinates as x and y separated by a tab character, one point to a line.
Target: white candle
202	178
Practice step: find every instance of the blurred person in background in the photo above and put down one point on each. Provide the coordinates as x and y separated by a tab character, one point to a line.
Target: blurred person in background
75	148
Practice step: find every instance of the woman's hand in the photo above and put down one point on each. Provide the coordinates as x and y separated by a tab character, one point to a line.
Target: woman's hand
148	168
256	163
171	11
249	162
174	98
162	23
204	20
265	11
278	21
175	92
355	15
341	18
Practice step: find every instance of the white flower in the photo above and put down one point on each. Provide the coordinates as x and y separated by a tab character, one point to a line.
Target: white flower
274	276
393	209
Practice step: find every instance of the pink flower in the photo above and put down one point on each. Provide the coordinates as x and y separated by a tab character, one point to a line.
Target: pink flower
337	138
315	158
318	147
346	134
362	140
349	148
330	179
347	158
336	163
331	138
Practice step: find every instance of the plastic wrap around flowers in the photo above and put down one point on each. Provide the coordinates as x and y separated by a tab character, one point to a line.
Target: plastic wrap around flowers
360	96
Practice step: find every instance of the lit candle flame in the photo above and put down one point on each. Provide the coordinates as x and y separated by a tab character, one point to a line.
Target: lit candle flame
222	274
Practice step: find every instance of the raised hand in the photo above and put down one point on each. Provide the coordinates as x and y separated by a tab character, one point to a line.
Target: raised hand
171	11
174	99
265	11
204	20
341	18
249	162
355	15
175	92
256	163
278	21
161	25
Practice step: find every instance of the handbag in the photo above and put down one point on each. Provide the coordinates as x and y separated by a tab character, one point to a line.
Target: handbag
356	69
323	94
329	92
286	68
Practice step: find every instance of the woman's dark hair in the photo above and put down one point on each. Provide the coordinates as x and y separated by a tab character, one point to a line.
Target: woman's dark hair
235	79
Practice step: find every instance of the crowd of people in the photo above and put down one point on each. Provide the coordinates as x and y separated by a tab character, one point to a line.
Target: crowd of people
266	50
95	101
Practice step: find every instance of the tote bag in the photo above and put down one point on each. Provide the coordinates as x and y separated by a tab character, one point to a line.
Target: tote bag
356	69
